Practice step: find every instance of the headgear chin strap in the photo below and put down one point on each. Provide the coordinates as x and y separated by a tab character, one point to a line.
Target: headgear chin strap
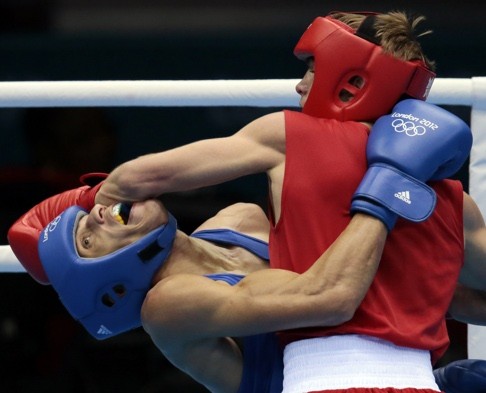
352	64
105	294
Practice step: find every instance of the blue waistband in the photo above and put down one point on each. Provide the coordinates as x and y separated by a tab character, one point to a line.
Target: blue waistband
228	236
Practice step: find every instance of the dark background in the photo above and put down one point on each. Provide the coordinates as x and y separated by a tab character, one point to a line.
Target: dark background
45	150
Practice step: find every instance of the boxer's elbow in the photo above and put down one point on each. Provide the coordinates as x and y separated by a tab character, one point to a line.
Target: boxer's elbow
342	304
157	313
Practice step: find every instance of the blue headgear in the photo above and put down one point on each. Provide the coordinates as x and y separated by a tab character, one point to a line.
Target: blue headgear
105	294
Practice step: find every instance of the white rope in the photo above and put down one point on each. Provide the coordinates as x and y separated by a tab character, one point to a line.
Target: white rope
8	261
187	93
276	92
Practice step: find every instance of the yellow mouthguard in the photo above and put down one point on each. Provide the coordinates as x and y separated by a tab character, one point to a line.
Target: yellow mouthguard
119	219
116	214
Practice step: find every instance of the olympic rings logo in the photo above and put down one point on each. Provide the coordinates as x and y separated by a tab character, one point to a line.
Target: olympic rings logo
408	127
53	223
51	227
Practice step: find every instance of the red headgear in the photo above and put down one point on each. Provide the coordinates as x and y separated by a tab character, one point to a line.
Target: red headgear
343	56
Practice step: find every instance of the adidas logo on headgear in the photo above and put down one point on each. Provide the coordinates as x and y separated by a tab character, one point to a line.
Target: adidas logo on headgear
404	196
104	330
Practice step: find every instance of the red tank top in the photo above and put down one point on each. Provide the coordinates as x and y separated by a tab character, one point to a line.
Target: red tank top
407	301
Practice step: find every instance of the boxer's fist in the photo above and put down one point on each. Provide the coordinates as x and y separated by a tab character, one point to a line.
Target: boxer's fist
23	235
417	142
420	139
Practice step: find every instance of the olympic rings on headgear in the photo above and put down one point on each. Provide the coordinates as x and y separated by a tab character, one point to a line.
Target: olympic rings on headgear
409	127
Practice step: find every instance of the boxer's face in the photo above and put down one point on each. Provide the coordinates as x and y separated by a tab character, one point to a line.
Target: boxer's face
303	88
102	231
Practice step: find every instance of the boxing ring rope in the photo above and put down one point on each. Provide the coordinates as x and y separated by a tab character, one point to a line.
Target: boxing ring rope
253	93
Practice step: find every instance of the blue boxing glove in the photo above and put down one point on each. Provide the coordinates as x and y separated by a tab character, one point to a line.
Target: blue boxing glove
416	143
462	376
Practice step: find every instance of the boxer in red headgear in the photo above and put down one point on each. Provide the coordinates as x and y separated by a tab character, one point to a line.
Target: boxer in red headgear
356	78
315	162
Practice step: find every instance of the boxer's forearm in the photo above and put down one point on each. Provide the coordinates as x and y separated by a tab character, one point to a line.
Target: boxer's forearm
256	148
332	289
269	300
468	305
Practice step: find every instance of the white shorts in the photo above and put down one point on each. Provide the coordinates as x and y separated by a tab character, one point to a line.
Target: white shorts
353	361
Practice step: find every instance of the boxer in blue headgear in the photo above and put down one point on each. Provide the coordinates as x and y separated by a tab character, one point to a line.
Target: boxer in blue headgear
113	286
231	244
224	248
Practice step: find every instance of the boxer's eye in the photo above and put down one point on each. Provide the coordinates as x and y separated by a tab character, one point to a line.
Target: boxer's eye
86	242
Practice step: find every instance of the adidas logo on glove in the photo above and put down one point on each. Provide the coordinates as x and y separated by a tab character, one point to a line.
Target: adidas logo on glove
404	196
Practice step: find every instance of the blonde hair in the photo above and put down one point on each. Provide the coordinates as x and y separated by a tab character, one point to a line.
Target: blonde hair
396	32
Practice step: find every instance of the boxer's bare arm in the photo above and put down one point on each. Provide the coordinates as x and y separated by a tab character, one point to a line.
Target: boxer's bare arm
187	313
256	148
473	273
468	305
469	302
